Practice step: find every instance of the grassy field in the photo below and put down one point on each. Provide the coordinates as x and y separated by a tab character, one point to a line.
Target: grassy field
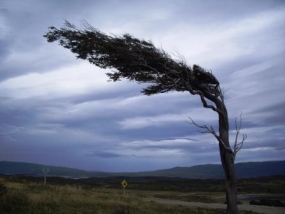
34	198
30	196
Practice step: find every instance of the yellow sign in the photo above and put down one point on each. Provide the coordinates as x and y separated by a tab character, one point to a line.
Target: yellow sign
124	183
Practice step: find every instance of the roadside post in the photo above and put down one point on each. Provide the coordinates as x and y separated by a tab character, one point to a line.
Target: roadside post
45	170
124	184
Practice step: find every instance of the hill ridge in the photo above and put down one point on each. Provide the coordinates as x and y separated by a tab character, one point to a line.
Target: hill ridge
243	169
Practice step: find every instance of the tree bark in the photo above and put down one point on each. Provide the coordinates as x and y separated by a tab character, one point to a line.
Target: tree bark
227	160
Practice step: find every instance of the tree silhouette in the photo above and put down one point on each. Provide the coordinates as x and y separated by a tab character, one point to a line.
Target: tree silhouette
139	60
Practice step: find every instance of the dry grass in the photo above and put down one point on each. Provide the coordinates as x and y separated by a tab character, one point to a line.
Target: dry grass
34	198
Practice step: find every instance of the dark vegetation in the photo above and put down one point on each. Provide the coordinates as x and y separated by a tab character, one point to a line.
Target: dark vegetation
3	189
268	202
273	184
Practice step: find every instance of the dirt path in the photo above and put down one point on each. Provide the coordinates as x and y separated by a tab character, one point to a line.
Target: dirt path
258	209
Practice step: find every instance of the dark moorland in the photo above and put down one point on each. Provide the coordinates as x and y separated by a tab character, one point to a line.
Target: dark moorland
273	184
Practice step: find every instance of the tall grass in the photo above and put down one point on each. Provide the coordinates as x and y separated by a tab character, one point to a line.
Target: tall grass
35	198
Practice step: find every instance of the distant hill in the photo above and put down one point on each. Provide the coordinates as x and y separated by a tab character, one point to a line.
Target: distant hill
244	170
16	168
199	171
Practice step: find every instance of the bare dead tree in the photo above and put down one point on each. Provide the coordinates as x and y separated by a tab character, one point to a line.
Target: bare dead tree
139	60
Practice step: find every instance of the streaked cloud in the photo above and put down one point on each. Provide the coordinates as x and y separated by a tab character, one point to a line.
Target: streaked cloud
58	110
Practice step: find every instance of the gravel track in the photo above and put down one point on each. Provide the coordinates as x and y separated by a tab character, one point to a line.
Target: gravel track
246	207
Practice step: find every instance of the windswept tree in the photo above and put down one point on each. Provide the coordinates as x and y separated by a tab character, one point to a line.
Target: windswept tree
139	60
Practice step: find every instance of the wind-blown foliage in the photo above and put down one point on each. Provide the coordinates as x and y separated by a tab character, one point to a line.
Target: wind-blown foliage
134	59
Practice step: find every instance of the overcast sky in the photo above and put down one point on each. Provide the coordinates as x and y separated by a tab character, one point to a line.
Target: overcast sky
59	110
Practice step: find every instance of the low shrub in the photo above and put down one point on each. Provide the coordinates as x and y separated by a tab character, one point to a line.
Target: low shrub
3	189
14	203
45	207
122	210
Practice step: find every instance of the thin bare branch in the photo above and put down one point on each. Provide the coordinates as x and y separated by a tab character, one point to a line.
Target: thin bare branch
211	130
238	145
222	95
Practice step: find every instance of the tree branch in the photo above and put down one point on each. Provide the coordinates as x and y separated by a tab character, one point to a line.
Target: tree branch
238	145
212	131
203	100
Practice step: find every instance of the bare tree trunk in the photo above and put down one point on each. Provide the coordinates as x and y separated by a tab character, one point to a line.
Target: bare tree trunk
227	160
230	183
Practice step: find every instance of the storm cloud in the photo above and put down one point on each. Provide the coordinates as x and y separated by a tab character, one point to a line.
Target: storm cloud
58	110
